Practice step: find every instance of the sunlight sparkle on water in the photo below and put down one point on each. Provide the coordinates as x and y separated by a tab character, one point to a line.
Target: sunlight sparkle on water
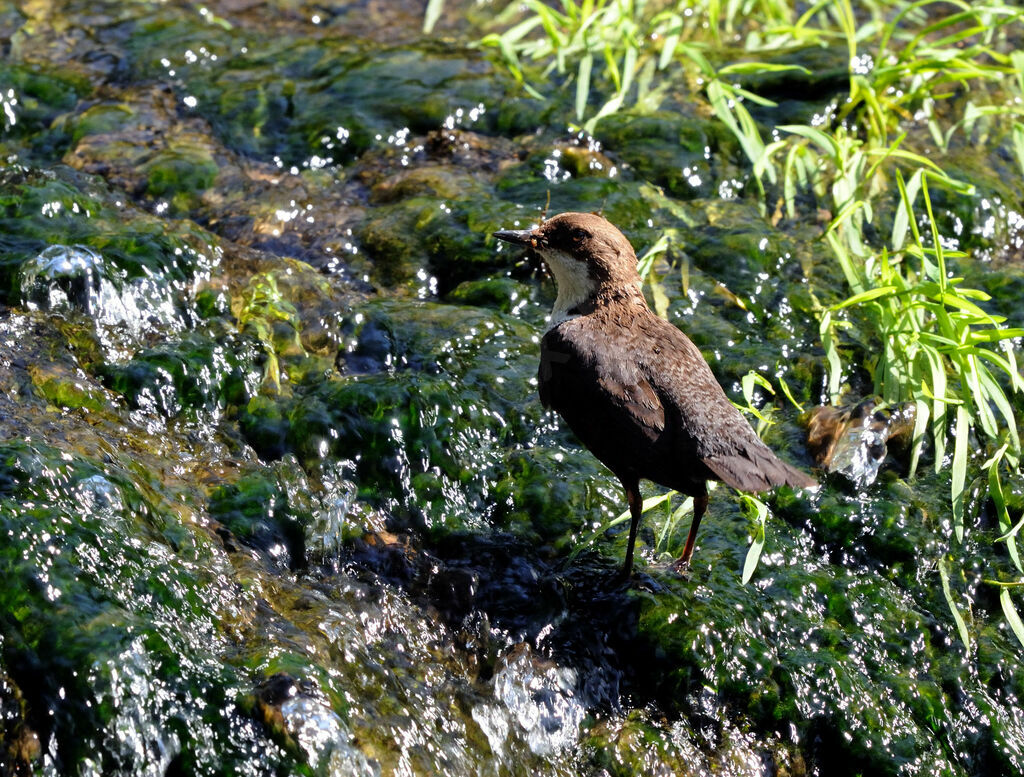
8	101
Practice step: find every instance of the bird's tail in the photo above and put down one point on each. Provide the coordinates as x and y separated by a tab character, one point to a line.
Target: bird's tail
757	469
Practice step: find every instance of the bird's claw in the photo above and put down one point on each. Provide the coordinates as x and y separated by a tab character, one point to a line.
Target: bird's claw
680	567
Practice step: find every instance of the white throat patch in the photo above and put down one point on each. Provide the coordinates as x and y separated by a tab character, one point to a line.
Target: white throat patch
575	286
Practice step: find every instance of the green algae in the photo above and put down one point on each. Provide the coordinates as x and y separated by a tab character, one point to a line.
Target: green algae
104	602
504	294
669	149
256	509
35	96
193	374
454	240
65	391
180	174
418	431
333	96
61	207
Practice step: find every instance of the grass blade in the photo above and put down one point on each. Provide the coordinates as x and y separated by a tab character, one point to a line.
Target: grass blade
432	14
1012	616
960	434
961	625
583	85
760	516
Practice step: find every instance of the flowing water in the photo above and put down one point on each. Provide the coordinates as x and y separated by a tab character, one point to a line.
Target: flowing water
276	491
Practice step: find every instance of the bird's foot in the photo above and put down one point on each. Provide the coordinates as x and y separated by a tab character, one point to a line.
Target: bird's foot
681	567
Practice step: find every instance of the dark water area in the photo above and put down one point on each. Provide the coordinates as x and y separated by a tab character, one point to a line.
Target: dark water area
277	495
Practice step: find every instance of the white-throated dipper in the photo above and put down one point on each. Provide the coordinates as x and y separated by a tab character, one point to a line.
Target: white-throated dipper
634	389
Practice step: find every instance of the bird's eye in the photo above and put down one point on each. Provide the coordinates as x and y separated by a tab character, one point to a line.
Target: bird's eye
579	235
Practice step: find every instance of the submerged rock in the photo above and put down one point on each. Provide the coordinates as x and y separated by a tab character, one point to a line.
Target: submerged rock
854	440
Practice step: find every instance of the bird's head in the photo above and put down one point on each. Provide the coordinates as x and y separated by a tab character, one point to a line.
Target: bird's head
586	253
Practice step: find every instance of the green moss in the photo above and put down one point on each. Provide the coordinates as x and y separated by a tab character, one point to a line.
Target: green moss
669	150
64	391
99	600
260	510
504	294
181	173
194	374
46	207
99	120
40	93
290	97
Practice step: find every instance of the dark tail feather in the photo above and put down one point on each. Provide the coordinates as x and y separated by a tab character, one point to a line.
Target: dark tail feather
758	470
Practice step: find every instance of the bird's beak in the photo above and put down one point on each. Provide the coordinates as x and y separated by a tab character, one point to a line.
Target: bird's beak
519	237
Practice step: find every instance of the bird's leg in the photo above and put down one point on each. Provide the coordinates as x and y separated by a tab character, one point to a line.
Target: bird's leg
632	487
700	506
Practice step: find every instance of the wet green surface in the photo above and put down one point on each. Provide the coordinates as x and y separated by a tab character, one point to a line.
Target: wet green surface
276	490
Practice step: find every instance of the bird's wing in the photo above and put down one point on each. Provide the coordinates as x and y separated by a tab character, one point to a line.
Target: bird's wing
610	404
708	422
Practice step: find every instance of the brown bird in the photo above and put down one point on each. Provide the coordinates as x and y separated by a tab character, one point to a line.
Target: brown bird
635	390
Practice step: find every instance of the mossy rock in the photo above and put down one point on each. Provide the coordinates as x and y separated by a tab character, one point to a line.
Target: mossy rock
40	93
191	375
103	589
263	512
503	294
39	208
668	149
181	173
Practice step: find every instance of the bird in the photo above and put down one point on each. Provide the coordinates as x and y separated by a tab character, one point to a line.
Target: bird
632	387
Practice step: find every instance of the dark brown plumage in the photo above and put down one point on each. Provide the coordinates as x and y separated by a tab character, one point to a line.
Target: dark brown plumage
632	386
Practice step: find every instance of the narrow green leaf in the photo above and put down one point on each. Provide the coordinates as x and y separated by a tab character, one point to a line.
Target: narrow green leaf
583	85
760	516
917	439
1007	365
939	403
866	296
995	489
992	391
432	14
673	520
994	335
835	364
904	215
961	433
961	625
1018	143
789	394
671	40
754	68
1012	616
753	556
753	97
628	70
751	379
823	140
972	370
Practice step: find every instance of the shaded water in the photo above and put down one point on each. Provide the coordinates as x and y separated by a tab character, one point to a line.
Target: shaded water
277	492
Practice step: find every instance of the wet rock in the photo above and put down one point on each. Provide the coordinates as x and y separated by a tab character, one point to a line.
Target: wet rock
674	151
470	150
33	96
504	294
20	748
261	511
70	252
298	716
540	700
76	281
193	374
854	440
